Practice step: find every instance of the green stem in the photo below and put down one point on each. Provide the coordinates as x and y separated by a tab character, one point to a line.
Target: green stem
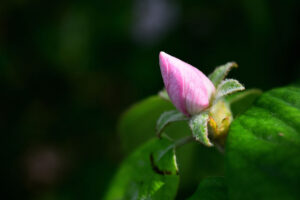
183	141
220	148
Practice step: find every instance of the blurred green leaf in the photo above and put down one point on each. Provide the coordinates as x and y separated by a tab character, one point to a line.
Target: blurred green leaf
213	188
149	173
138	123
263	148
241	101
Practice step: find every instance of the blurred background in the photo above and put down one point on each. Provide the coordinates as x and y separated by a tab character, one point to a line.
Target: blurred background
68	69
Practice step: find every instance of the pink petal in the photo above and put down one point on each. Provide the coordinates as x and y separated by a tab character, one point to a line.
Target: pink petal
188	88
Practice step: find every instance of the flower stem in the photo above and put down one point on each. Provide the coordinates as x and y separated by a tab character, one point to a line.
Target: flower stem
183	141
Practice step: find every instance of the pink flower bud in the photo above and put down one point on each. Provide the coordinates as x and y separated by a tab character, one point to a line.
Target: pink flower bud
188	88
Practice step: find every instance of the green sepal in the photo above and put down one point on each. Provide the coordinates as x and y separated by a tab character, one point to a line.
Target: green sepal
164	94
167	118
198	125
228	86
221	72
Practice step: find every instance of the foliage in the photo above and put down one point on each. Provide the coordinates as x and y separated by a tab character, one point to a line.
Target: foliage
261	154
149	173
263	147
137	126
212	188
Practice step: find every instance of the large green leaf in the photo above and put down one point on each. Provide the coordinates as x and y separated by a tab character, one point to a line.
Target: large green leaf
149	173
213	188
263	148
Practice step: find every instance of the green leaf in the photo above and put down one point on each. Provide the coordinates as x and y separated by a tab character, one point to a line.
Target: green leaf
167	118
198	125
221	72
149	173
228	86
241	101
263	148
137	124
213	188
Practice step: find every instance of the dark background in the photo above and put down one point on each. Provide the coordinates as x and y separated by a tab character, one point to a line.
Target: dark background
69	68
